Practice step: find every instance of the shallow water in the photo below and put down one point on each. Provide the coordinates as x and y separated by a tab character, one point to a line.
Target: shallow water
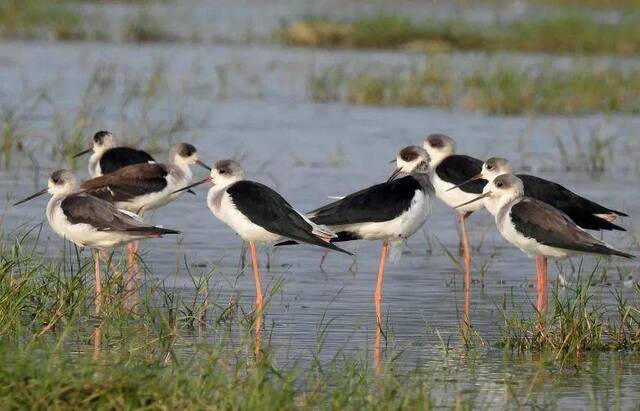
308	151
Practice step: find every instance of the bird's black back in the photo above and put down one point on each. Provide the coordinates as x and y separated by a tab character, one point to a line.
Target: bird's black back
580	209
268	209
457	169
378	203
119	157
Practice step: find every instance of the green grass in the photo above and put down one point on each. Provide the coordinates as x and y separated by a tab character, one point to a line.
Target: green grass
505	89
569	34
38	19
144	28
577	323
175	351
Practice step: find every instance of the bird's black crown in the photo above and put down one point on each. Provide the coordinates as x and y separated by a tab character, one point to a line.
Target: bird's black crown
100	135
58	177
186	150
410	153
437	140
225	166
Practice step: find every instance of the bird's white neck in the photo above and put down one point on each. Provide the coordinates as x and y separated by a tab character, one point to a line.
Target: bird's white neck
495	205
94	163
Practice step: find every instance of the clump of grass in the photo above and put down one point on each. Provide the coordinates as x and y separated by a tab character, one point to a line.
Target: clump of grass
596	4
567	34
500	90
39	18
577	324
432	85
144	28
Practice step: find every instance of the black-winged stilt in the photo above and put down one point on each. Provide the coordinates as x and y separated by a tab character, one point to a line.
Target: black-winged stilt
259	215
537	228
107	158
145	186
88	221
584	212
391	211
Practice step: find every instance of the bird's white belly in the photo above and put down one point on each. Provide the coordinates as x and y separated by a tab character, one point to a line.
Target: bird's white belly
401	227
455	197
224	209
85	235
528	245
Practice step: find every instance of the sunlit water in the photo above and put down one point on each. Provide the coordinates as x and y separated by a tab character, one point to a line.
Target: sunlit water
307	152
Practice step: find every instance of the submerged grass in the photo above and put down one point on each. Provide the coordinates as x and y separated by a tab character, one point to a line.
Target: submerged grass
568	34
172	351
505	89
577	324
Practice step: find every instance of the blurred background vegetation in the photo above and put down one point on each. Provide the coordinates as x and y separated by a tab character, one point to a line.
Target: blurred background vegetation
592	32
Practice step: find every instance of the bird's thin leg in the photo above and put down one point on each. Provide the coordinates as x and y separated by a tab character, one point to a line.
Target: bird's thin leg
243	254
97	342
466	253
131	252
544	265
98	298
377	354
324	257
541	271
259	296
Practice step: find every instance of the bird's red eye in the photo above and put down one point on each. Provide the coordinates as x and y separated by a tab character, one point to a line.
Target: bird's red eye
499	184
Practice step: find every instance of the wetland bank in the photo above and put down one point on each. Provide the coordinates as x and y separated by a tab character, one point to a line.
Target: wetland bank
189	344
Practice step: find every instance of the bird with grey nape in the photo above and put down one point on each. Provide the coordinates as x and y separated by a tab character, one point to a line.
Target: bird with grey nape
259	215
146	186
588	214
88	221
538	229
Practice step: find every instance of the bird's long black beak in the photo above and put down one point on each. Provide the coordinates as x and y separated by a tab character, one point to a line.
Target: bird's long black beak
193	185
31	197
83	152
474	178
394	174
480	197
203	165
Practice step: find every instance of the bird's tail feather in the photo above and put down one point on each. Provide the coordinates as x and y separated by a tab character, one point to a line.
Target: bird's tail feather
151	231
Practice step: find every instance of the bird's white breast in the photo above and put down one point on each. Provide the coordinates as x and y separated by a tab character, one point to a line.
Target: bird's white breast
454	197
401	227
222	206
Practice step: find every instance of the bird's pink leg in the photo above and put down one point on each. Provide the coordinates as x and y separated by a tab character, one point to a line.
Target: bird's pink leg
98	297
131	251
259	296
541	270
377	353
466	253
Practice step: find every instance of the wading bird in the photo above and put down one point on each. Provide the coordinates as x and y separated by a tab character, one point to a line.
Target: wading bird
391	212
88	221
451	175
138	188
107	158
537	228
584	212
259	215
